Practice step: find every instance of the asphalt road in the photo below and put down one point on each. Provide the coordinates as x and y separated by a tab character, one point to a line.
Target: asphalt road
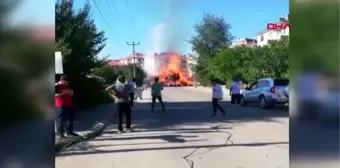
248	137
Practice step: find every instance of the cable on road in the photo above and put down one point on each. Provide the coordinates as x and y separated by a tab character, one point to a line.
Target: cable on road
228	141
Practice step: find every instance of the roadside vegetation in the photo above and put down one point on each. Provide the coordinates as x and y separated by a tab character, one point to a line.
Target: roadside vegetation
80	42
217	59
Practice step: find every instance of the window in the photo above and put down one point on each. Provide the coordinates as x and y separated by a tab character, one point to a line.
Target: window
254	85
261	83
261	37
281	82
266	83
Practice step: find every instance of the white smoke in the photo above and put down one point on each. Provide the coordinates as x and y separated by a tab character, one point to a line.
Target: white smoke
170	35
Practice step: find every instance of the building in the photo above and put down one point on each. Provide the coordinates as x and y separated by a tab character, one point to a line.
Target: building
192	62
139	61
264	36
244	42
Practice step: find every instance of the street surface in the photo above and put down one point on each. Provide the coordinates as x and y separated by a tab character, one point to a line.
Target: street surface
248	137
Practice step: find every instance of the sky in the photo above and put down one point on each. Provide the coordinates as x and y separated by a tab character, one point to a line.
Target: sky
160	25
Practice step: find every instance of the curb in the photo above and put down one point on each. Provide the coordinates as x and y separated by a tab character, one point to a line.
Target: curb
95	131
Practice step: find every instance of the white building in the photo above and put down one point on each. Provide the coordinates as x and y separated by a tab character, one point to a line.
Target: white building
244	42
192	61
138	60
264	36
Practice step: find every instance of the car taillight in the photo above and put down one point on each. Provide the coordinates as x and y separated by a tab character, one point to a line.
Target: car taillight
272	90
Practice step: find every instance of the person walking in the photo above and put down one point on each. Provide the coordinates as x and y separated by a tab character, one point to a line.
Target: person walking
235	92
120	92
156	93
132	92
217	96
64	104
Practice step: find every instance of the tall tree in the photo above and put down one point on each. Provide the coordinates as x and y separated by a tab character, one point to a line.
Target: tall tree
80	42
213	35
78	38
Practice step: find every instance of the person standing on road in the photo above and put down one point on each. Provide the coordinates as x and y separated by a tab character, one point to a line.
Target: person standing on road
235	92
120	92
132	92
64	104
156	93
217	96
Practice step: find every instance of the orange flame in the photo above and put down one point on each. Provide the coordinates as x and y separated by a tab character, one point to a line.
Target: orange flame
174	67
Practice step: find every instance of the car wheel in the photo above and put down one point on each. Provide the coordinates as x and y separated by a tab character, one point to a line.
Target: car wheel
263	102
243	101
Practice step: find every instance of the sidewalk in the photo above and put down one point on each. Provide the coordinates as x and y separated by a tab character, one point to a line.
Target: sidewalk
88	123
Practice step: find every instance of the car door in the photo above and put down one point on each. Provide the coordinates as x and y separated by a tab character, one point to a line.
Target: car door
257	91
250	96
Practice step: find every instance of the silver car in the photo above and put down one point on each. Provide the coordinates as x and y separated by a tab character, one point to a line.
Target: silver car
267	92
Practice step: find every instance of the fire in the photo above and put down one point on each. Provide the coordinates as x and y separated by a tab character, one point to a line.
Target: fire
173	69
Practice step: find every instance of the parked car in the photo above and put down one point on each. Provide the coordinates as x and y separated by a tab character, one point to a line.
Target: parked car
267	92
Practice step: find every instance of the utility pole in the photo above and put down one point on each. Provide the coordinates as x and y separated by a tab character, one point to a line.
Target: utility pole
133	56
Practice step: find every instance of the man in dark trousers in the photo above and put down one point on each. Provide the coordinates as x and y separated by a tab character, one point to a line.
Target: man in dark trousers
156	93
132	92
217	96
235	92
120	92
63	101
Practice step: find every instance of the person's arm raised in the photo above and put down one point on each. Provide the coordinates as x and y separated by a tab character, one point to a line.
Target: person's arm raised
110	88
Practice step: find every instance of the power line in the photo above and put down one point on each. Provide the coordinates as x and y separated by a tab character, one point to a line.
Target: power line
133	44
101	14
113	6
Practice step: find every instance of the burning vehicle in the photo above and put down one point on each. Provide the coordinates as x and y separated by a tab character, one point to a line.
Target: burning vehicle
173	70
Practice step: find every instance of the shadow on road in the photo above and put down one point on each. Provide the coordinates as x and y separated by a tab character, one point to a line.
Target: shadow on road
171	148
86	119
198	113
185	118
168	138
312	141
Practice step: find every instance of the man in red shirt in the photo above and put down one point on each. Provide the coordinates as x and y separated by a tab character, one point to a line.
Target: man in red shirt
64	104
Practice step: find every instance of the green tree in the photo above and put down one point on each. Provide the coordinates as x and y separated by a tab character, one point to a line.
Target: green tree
251	63
213	36
80	42
110	73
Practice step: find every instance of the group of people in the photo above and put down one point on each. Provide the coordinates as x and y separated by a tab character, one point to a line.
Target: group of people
123	93
217	95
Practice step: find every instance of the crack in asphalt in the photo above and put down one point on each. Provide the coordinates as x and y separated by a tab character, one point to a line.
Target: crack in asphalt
191	163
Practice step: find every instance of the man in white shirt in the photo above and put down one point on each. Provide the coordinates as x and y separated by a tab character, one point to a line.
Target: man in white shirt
217	96
235	92
132	83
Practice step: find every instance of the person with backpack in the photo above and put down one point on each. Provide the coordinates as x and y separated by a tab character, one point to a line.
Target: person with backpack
132	92
120	91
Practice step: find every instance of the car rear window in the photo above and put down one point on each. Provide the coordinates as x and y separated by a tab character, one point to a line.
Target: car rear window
281	82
